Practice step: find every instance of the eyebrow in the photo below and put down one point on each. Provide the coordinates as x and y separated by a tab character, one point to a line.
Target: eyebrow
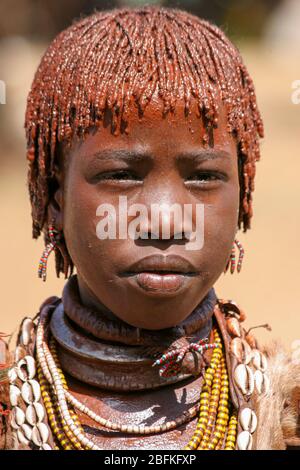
200	155
194	155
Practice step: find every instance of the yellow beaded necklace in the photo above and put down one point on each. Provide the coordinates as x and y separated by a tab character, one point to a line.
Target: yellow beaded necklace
217	423
214	408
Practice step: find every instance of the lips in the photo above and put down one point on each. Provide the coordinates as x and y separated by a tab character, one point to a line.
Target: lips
166	263
159	273
160	282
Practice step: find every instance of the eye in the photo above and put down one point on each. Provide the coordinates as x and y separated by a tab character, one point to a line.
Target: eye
205	177
118	175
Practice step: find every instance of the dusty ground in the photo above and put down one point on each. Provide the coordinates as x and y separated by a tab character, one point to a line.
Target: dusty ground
268	286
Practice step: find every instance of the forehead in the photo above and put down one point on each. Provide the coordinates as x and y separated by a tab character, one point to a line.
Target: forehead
157	134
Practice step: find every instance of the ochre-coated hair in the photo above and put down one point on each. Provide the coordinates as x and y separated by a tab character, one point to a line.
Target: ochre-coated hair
111	58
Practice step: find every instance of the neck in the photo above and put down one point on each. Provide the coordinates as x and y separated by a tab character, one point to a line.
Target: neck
106	352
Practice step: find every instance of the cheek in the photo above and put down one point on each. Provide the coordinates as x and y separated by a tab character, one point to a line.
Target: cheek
220	226
224	212
95	259
80	221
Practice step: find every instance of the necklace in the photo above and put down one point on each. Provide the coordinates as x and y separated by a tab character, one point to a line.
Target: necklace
116	366
214	417
40	398
111	355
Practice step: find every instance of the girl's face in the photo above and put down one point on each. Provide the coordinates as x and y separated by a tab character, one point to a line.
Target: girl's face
160	161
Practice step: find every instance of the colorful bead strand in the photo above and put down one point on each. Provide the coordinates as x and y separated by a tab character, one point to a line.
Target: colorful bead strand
205	399
232	433
172	359
214	408
42	270
223	409
241	255
53	417
232	260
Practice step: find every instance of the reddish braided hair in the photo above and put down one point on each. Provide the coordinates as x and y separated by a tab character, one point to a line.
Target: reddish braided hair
105	60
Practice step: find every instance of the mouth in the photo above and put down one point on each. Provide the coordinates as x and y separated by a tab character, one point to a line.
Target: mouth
161	274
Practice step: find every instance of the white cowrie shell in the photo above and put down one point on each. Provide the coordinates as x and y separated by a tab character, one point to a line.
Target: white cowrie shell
244	440
12	375
262	382
21	437
35	413
31	416
45	447
36	389
31	391
27	430
40	434
264	361
27	393
244	378
30	366
241	350
248	420
14	393
259	360
13	423
22	370
26	368
18	417
247	352
27	328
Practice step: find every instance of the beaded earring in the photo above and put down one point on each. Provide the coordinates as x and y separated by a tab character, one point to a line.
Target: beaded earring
63	262
42	271
232	258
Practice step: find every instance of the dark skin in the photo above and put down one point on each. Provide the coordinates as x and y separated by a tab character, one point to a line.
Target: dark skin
101	264
161	168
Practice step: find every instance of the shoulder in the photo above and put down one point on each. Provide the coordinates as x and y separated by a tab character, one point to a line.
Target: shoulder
279	407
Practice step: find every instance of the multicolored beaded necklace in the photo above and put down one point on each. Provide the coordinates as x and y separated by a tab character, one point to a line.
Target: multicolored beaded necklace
217	420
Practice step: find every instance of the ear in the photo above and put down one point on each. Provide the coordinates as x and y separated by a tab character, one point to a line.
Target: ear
56	202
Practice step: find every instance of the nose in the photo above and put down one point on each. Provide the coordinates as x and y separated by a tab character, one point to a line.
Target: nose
170	210
166	222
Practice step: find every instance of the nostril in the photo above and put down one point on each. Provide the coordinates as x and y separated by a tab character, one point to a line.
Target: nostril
156	236
149	235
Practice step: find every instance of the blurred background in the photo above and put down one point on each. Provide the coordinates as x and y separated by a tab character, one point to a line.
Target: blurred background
267	33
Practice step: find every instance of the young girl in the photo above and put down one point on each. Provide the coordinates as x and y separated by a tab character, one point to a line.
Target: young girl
132	110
